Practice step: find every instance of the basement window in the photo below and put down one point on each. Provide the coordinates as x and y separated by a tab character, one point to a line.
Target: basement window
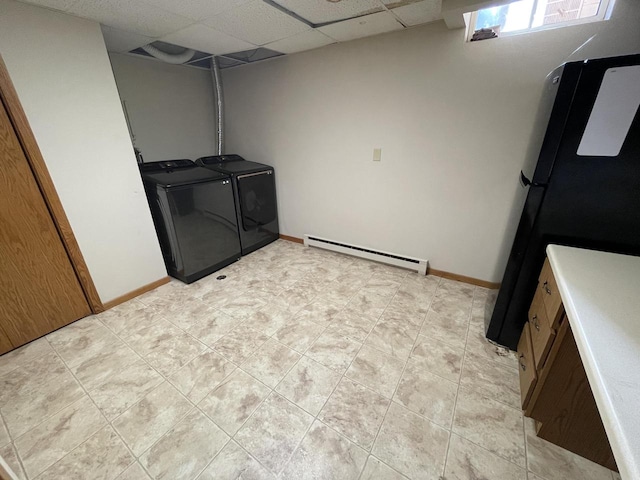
533	15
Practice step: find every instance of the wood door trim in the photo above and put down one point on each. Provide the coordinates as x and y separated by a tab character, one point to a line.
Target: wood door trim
136	293
9	98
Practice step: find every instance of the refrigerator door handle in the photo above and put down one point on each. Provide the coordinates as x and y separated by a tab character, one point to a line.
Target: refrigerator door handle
525	182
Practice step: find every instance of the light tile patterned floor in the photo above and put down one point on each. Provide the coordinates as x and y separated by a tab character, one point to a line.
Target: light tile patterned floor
300	364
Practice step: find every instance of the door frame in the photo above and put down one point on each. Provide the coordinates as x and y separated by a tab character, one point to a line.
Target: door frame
9	98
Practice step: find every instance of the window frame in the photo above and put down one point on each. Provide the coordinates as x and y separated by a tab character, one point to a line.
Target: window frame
604	13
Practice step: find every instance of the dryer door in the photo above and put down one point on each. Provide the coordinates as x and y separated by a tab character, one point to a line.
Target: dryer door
257	194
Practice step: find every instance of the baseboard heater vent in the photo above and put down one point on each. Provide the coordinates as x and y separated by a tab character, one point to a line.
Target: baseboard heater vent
383	257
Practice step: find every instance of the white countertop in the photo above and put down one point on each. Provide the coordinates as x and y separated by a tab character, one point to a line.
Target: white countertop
601	295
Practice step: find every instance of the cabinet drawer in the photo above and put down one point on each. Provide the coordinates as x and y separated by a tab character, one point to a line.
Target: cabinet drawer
550	295
528	375
542	334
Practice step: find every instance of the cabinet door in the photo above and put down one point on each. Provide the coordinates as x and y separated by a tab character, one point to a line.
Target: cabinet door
542	335
550	295
564	405
528	375
39	290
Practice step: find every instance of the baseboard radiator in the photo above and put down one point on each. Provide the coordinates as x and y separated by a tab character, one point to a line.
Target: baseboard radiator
410	263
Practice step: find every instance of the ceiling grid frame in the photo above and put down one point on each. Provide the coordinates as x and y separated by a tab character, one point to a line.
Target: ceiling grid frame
244	28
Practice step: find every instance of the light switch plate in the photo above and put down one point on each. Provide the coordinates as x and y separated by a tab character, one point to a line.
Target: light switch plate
377	154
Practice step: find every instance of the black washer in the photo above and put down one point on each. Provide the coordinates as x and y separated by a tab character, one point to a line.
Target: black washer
254	189
193	210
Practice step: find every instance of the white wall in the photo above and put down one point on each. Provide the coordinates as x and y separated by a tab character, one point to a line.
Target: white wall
453	120
170	107
60	68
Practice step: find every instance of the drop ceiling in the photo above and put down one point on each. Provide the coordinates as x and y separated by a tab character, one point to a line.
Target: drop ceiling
244	31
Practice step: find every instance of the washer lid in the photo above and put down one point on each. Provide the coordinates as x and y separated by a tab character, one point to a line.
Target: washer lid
232	164
173	173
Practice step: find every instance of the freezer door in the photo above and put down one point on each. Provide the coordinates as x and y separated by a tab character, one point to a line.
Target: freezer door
593	200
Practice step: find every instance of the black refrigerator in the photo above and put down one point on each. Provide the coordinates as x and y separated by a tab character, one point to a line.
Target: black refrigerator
584	190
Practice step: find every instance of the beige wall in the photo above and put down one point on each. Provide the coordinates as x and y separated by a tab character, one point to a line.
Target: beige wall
60	68
170	107
453	120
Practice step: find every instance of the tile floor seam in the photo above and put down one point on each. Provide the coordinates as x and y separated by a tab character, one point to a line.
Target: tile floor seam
180	419
455	402
229	439
110	423
3	423
280	381
462	369
274	391
490	397
134	458
48	466
315	417
422	416
312	280
247	419
295	449
343	375
474	443
19	457
384	417
149	392
430	372
385	464
392	355
143	357
101	414
209	391
164	378
12	442
252	456
487	450
193	408
47	417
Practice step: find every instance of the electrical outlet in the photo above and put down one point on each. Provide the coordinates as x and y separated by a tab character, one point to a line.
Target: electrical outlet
377	154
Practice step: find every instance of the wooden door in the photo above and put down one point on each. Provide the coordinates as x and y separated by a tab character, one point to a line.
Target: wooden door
39	290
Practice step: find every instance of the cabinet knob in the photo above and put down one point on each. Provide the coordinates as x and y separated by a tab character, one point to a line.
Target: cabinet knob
522	365
534	319
545	285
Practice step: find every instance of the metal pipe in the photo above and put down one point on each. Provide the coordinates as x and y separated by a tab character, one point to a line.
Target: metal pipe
219	103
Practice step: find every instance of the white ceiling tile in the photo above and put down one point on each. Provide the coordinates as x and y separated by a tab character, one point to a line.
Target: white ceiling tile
420	12
300	42
130	15
362	26
207	40
323	11
257	23
121	41
196	9
62	5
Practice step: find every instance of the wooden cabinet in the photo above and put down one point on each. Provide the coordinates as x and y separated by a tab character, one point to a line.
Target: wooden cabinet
550	295
554	387
528	374
542	335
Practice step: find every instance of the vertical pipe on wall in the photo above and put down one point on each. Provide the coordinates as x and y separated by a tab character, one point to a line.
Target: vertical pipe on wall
219	104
